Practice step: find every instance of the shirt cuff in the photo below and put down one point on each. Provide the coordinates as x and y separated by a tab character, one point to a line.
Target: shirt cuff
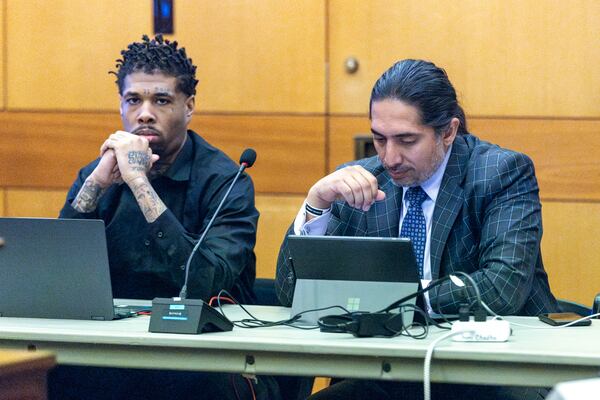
315	227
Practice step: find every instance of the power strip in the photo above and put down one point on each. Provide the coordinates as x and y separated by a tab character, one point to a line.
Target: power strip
492	330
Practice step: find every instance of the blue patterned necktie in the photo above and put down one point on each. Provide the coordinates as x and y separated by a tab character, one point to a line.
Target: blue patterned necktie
413	225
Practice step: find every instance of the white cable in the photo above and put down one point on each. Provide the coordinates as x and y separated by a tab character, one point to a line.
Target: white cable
488	309
427	363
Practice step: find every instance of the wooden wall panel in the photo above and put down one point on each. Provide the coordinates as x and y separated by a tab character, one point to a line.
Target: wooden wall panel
266	56
61	52
342	131
2	202
564	151
45	150
2	59
291	150
505	57
571	249
276	215
34	203
256	56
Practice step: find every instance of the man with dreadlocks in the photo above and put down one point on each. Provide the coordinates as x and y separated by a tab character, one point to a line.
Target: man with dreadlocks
156	184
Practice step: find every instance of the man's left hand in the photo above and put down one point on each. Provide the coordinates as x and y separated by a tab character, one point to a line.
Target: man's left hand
134	156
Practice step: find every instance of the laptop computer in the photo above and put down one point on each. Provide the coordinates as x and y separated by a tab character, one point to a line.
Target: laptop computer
357	273
55	268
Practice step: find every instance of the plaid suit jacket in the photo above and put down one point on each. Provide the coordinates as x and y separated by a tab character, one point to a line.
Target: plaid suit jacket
486	222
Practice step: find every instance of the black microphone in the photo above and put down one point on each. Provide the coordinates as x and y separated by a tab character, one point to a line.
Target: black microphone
179	315
247	158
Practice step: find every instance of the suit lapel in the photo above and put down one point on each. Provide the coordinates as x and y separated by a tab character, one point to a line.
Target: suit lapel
383	218
448	203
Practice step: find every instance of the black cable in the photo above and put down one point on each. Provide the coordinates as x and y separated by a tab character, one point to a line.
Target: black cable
405	329
254	322
439	312
350	322
473	285
404	299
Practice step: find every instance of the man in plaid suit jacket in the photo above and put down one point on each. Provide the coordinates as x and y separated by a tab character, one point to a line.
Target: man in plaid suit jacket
486	222
482	208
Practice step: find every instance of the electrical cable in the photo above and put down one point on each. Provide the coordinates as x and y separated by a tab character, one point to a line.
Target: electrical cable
427	362
235	390
254	322
212	300
251	388
404	331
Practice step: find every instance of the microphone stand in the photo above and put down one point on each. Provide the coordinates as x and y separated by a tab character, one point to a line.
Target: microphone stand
192	316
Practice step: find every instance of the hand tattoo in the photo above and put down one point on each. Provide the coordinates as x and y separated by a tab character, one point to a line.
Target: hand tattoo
138	159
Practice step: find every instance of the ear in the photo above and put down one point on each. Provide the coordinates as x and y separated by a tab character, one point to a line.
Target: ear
450	134
190	104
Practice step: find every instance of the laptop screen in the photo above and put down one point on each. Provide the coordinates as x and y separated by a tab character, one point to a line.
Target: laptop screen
357	273
54	268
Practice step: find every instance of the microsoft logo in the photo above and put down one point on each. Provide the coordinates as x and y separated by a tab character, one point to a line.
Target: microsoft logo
353	304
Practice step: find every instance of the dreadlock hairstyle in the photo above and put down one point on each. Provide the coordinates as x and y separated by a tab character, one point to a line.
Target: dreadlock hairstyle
157	55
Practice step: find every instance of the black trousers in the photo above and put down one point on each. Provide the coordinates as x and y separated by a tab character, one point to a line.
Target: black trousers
384	390
91	383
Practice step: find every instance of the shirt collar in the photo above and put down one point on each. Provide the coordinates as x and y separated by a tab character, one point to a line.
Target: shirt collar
432	185
180	170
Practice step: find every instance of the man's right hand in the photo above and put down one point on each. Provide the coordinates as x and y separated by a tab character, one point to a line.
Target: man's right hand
107	171
354	184
105	174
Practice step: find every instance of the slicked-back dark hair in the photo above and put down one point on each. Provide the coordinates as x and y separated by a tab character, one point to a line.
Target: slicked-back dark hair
157	55
424	86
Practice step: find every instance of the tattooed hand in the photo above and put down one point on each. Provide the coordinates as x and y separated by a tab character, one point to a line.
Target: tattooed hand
107	171
134	156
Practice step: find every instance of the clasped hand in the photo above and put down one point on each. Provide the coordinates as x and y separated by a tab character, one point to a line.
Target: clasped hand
353	184
124	158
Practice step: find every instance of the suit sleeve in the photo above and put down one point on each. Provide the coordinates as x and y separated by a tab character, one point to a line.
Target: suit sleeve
509	243
343	221
285	279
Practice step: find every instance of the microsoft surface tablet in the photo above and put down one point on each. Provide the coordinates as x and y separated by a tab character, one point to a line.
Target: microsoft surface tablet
357	273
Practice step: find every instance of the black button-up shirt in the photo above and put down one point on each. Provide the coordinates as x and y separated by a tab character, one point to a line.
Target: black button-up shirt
147	260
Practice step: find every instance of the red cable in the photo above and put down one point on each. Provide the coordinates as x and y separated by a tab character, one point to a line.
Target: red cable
212	299
251	388
237	395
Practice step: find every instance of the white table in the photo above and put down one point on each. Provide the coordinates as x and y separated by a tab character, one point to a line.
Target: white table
532	357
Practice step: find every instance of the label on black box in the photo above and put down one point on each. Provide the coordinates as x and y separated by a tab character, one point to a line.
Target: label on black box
176	312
